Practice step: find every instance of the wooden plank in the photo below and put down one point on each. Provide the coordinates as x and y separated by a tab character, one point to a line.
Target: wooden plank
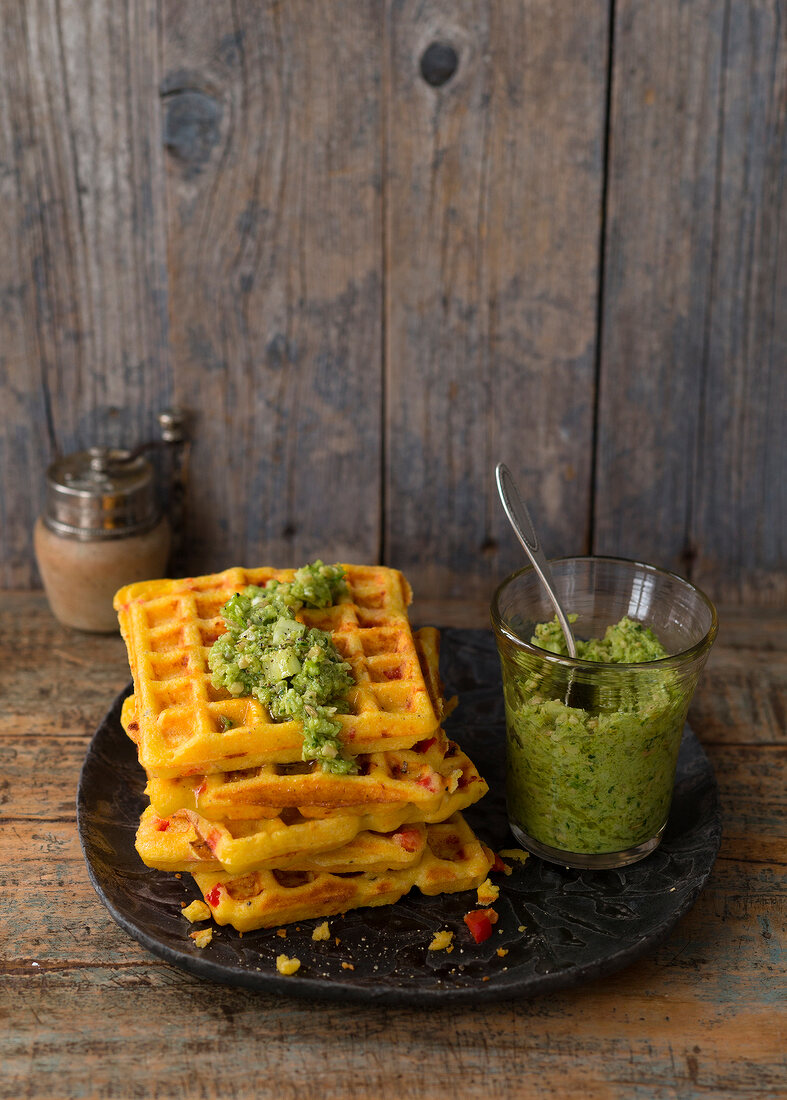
28	789
271	122
739	521
691	455
492	230
700	1015
82	270
21	367
63	680
754	805
514	1051
741	696
663	153
735	701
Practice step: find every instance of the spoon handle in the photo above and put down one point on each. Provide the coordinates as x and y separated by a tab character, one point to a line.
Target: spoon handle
520	520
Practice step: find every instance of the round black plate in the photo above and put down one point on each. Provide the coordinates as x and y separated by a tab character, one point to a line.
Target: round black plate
577	925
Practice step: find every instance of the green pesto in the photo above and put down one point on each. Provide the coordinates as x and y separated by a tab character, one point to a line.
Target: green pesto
596	777
626	643
295	671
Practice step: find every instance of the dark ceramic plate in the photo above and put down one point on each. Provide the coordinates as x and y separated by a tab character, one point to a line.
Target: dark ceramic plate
578	925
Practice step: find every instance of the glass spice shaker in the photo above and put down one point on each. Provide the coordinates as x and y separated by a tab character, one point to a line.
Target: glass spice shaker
101	528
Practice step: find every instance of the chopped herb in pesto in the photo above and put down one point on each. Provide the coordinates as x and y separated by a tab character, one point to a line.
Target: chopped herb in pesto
597	779
626	643
295	671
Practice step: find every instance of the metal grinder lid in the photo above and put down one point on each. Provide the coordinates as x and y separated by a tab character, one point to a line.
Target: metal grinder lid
100	494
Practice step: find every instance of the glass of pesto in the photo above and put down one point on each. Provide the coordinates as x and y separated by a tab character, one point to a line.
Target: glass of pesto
592	743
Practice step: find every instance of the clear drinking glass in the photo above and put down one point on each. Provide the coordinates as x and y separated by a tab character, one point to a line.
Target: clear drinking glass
592	747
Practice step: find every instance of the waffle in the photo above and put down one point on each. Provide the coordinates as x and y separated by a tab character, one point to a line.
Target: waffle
427	645
170	625
453	859
421	778
187	842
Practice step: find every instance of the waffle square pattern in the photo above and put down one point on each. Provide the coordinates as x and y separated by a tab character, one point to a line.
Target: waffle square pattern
187	726
268	836
453	859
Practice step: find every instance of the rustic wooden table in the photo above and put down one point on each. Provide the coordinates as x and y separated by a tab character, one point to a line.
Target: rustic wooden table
86	1011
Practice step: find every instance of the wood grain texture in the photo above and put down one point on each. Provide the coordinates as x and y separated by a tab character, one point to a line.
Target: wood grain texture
83	356
689	471
375	229
660	1045
741	698
739	520
272	115
493	212
85	1011
663	159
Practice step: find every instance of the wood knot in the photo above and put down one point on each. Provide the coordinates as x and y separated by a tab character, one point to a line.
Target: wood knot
439	63
192	122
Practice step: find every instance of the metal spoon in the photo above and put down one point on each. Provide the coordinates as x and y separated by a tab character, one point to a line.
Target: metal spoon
519	518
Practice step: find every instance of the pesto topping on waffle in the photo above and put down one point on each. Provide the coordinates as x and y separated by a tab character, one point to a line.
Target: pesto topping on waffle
295	671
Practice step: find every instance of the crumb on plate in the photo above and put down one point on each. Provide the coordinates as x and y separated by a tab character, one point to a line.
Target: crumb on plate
515	854
287	966
488	893
198	910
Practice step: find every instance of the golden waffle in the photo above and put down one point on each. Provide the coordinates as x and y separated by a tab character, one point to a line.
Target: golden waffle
423	778
170	625
187	842
427	646
453	859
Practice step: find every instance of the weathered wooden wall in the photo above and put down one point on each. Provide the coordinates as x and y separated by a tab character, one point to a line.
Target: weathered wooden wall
373	268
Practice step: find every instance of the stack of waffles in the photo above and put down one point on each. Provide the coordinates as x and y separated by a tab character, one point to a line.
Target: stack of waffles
268	837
